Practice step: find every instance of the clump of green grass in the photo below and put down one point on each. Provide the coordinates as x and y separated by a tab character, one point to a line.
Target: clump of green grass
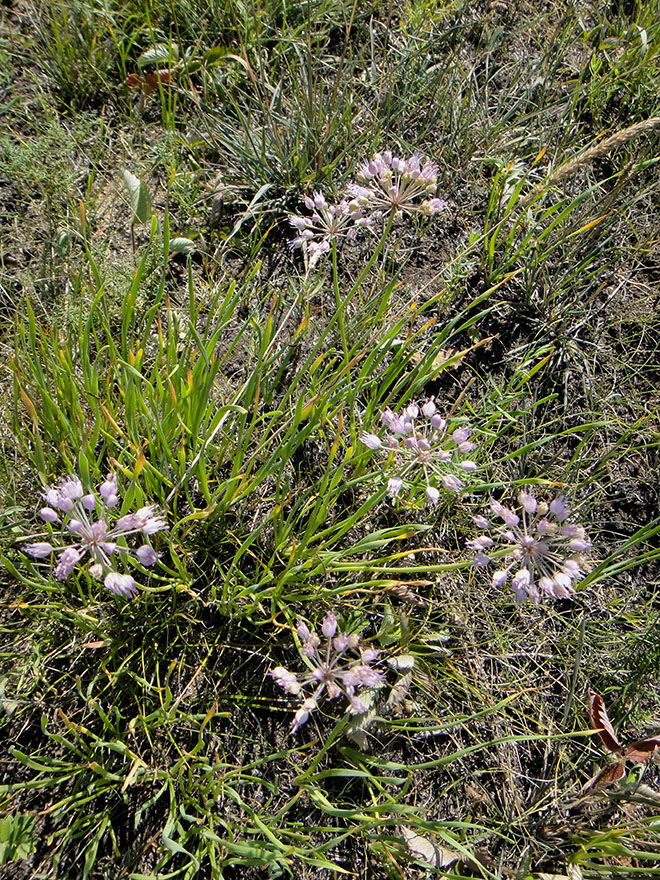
229	381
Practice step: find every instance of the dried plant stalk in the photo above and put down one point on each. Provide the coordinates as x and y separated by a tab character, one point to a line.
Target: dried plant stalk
595	152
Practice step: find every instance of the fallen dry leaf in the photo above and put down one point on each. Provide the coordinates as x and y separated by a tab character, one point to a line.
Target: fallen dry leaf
609	773
600	721
641	751
427	851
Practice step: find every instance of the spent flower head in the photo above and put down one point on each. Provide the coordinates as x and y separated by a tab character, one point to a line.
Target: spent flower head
89	535
542	552
337	666
422	443
388	183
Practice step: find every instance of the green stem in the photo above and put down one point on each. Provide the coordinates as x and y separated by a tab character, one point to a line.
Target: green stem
372	259
338	302
343	302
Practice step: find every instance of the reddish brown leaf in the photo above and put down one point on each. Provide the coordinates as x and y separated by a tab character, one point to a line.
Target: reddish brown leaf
609	773
641	751
163	76
600	721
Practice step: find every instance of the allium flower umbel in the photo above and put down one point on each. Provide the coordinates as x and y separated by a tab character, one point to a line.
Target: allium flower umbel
388	183
326	223
422	442
543	553
93	539
338	666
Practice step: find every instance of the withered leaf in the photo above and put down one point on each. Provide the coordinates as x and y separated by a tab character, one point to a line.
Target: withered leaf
395	701
600	721
427	851
641	751
609	773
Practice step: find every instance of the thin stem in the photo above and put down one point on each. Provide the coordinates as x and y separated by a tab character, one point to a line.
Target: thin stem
372	259
339	312
338	302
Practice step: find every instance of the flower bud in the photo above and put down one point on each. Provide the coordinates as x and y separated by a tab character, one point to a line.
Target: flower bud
333	690
66	562
329	625
452	483
109	487
304	632
72	488
120	584
394	486
521	579
39	550
371	441
432	495
527	501
340	643
358	706
559	508
579	545
429	408
146	555
49	515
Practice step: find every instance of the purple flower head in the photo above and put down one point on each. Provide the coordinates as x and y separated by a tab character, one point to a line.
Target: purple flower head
536	547
336	667
420	443
388	183
327	223
91	537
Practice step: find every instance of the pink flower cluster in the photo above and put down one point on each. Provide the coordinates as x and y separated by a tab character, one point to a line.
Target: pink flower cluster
420	440
338	667
95	540
389	183
386	185
537	547
327	222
